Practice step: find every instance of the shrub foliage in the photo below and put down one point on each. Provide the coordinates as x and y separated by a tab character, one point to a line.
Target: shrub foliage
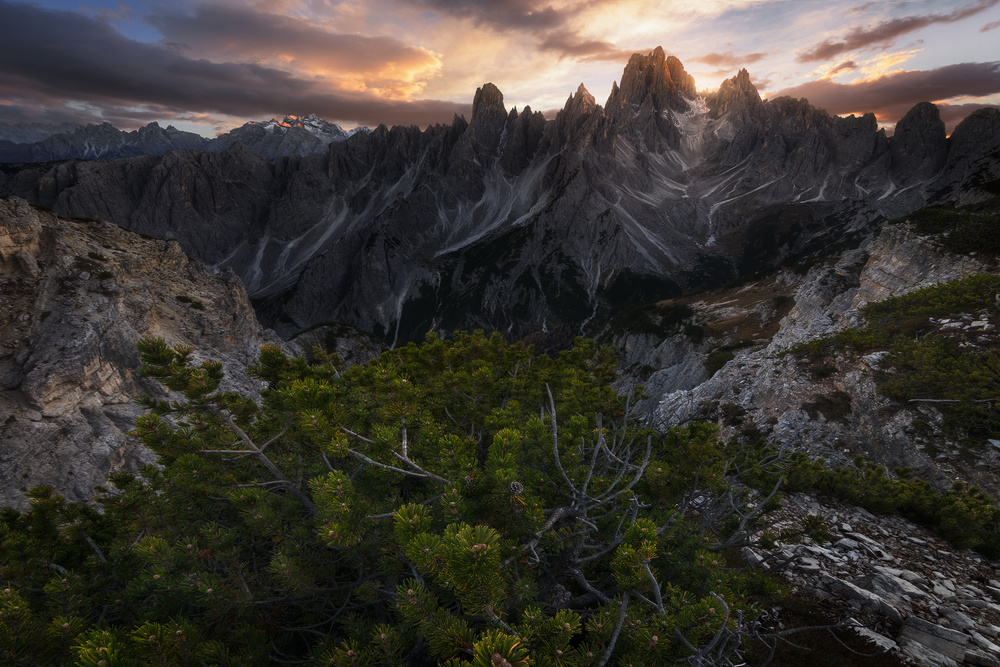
461	501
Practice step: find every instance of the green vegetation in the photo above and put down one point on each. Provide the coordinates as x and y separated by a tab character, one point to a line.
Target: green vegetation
954	369
965	516
964	230
716	359
958	371
462	501
722	355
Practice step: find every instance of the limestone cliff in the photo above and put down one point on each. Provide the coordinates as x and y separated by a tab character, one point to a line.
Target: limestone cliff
75	296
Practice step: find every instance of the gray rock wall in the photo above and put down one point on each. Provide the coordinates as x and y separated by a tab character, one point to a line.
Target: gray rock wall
75	296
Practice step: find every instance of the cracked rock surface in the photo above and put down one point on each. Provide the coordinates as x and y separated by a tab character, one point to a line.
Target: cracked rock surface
76	296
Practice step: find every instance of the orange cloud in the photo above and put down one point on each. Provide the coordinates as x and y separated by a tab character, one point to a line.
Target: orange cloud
729	59
384	65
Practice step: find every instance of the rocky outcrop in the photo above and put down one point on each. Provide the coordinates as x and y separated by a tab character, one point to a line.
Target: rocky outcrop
509	222
919	145
841	414
736	95
77	295
972	168
894	583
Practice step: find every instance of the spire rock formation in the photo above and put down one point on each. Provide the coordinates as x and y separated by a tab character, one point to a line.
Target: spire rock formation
507	221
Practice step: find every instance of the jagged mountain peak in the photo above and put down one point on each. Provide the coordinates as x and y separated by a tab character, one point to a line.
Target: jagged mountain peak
737	94
656	76
581	102
487	106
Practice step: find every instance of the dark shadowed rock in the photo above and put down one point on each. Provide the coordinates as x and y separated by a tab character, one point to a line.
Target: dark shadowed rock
972	170
919	144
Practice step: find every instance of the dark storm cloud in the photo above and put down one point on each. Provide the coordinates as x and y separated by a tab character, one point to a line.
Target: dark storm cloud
891	96
50	58
729	59
501	14
885	32
241	31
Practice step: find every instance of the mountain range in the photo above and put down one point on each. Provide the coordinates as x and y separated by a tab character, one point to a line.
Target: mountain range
511	222
35	142
544	229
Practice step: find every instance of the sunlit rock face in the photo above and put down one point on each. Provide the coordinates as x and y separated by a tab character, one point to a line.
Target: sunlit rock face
507	221
75	296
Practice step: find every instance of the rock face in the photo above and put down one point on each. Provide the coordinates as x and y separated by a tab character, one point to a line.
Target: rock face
906	591
776	394
509	222
919	145
76	296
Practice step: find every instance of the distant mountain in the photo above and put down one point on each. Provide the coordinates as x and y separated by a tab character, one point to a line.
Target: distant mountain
292	135
102	142
34	142
30	133
509	222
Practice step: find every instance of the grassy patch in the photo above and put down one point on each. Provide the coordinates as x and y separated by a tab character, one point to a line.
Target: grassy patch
716	359
955	368
962	231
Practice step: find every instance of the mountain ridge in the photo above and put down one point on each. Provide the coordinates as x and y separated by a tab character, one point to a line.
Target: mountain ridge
291	135
518	224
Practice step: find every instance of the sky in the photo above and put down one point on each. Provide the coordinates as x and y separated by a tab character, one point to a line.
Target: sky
210	65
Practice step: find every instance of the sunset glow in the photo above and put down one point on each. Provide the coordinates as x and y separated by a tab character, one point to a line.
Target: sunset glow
210	65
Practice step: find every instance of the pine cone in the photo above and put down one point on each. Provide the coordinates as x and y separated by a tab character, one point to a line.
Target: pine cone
515	488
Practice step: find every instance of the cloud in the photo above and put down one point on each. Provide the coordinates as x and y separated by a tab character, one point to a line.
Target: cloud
54	57
892	95
502	14
845	66
729	59
569	46
990	26
953	114
885	32
239	32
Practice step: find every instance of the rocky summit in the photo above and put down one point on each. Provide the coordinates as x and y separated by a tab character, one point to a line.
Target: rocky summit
511	222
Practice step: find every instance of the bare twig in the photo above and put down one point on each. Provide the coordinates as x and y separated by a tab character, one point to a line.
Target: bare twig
614	636
252	448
